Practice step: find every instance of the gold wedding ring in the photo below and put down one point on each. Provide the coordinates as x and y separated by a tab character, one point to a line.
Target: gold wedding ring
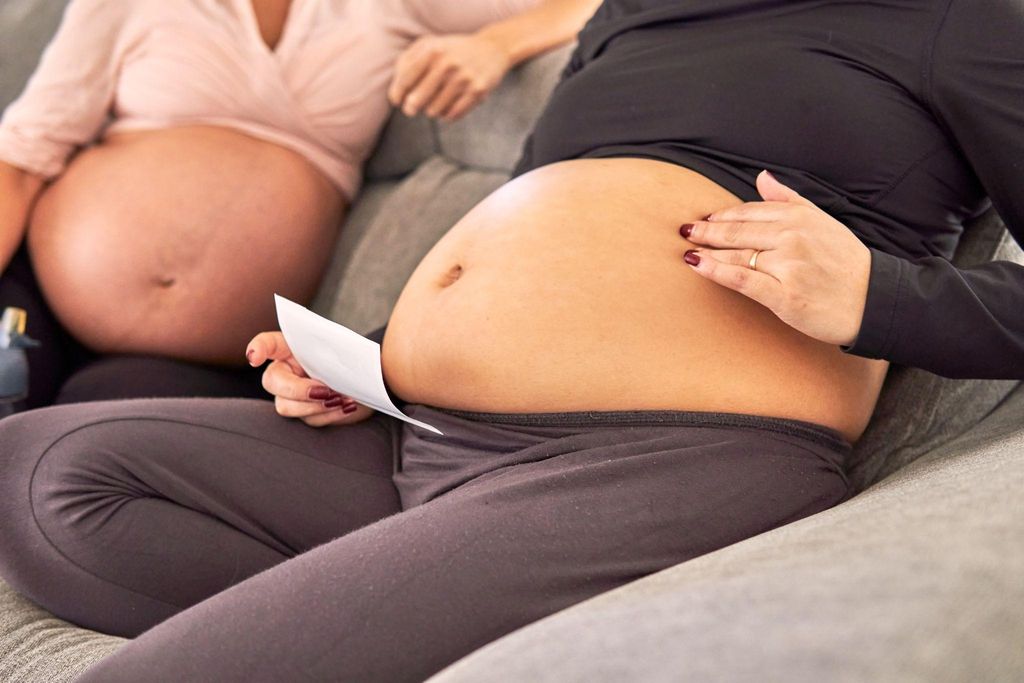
753	260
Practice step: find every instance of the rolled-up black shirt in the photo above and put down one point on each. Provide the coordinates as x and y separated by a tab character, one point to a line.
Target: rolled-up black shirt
901	118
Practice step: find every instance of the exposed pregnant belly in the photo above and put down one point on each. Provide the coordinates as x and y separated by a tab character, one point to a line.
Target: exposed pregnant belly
172	242
565	290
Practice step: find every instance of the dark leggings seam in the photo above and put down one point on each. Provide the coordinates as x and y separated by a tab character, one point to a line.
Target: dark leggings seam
683	418
95	423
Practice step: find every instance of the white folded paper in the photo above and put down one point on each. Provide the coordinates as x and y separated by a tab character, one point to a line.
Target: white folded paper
342	359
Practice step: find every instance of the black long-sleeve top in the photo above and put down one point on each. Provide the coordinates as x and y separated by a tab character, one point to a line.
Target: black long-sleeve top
901	118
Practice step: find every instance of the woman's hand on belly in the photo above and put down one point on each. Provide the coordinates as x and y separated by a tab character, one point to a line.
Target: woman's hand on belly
295	394
812	271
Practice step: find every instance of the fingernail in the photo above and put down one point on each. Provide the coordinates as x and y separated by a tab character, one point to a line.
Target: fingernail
320	393
691	257
770	174
685	229
707	218
249	355
348	410
334	402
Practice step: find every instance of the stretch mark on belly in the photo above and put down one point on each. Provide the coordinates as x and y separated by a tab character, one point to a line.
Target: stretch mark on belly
453	274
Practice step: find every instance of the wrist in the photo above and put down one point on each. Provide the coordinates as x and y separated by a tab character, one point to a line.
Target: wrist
506	42
860	298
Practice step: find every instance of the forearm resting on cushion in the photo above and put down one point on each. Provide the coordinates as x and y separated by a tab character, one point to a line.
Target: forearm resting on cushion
18	192
547	25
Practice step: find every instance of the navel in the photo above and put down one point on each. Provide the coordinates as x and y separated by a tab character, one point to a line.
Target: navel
451	276
165	282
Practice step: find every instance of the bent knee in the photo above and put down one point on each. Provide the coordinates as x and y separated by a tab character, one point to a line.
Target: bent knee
24	439
50	460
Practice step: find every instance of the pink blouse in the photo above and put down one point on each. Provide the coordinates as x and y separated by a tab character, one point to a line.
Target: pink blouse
117	65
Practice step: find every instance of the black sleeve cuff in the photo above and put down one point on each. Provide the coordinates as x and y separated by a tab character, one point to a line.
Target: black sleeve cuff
880	325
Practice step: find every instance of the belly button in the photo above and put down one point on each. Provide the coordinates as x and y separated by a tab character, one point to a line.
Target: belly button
165	282
453	274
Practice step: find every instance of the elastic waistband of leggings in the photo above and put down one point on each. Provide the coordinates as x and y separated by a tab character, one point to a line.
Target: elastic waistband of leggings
811	431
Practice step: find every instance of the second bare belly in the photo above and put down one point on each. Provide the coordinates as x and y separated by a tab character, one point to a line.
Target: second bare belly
565	290
173	242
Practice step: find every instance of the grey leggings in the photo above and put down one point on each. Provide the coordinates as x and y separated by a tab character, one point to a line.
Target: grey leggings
241	546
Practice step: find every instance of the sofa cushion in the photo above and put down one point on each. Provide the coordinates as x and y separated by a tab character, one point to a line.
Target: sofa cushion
491	136
916	579
404	144
919	411
36	646
25	27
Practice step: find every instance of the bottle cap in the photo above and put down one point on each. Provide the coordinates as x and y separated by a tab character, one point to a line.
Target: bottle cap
12	329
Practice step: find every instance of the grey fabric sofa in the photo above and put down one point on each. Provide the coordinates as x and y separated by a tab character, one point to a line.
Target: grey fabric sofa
919	577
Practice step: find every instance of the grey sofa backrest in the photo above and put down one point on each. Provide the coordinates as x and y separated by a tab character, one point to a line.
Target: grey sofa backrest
25	26
919	411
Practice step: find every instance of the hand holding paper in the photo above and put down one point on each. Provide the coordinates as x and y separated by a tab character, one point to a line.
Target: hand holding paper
344	360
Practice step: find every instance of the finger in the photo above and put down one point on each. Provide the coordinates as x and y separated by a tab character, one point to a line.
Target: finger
287	407
326	418
281	380
272	346
453	87
770	189
760	287
741	257
761	212
425	89
267	345
462	106
339	416
734	234
409	69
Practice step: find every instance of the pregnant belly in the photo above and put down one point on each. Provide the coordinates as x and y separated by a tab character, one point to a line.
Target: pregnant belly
565	290
172	242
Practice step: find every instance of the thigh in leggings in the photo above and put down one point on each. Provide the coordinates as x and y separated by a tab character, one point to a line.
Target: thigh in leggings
499	524
111	378
118	515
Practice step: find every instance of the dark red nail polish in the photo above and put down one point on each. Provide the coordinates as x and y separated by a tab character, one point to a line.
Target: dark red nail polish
691	257
320	394
334	402
685	229
249	355
349	409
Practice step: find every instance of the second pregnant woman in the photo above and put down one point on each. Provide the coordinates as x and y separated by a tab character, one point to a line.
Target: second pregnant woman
174	164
